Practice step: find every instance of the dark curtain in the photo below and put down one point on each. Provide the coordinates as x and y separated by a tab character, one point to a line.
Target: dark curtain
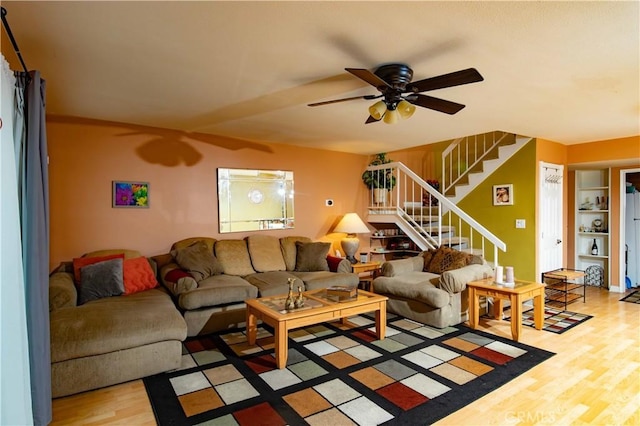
34	213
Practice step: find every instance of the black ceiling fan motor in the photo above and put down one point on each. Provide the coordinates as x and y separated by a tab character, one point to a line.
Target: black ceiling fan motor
397	75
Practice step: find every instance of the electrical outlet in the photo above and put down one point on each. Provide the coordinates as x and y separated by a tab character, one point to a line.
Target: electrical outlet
328	202
520	223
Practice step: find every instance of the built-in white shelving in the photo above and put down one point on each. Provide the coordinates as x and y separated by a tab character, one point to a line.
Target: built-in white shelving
592	220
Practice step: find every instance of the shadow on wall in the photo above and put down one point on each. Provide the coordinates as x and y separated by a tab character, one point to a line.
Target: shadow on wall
170	148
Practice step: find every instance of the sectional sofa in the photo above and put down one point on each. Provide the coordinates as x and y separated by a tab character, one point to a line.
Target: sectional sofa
113	339
212	297
112	322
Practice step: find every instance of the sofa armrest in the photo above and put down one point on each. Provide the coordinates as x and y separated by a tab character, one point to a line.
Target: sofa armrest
176	279
62	291
455	280
339	264
393	268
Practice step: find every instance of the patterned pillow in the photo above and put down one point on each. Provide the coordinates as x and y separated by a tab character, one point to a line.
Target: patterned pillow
445	259
427	255
138	275
312	256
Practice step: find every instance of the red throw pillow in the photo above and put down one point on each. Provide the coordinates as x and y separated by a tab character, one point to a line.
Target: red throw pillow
138	275
81	262
333	262
175	274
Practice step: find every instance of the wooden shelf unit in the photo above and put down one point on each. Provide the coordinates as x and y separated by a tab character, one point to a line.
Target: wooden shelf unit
592	204
394	246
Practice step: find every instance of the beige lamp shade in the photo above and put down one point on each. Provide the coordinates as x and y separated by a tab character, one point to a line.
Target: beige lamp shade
405	109
391	116
351	224
377	110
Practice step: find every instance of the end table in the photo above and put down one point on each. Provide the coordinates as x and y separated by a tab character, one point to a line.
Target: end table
367	272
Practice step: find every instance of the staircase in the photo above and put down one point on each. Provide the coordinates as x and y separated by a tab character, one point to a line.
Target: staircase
470	160
431	218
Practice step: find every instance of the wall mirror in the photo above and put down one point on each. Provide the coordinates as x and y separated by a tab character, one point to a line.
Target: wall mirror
254	200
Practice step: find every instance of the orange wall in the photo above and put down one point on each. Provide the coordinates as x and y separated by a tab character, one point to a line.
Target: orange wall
86	155
608	150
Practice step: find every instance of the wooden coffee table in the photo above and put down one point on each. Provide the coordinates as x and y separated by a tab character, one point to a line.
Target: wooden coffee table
318	308
521	291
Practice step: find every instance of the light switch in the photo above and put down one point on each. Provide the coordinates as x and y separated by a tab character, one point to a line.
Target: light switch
520	223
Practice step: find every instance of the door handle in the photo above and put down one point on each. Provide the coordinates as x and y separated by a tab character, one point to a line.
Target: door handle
558	241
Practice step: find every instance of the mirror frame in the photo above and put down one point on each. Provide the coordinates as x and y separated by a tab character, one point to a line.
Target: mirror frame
254	200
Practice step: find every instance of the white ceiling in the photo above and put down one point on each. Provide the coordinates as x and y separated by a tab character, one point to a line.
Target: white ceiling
564	71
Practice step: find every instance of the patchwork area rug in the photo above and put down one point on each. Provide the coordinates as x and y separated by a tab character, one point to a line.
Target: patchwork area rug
555	320
632	297
337	375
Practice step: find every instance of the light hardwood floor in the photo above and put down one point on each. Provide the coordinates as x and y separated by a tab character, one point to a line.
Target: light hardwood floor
594	378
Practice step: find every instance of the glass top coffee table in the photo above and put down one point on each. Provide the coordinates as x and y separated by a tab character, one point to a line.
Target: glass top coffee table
319	307
516	293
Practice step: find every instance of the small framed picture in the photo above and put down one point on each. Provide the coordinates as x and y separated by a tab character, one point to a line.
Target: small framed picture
503	195
130	194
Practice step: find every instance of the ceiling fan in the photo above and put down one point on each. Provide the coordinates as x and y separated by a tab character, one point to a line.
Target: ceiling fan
400	96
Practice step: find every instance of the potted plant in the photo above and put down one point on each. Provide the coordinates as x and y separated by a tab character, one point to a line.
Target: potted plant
379	181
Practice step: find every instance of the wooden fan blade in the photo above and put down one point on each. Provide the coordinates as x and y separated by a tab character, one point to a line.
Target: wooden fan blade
437	104
338	100
371	120
470	75
368	76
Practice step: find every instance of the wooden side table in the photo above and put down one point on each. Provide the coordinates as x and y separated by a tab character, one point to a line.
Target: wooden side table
367	272
521	291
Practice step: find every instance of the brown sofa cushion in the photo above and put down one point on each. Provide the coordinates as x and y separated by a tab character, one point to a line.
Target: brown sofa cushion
210	242
234	257
197	260
445	259
217	290
289	252
114	324
415	288
265	253
312	256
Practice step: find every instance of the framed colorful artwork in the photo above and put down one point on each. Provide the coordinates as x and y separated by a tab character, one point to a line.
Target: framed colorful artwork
503	195
130	194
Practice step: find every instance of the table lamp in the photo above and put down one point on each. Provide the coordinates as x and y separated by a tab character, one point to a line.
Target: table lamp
351	224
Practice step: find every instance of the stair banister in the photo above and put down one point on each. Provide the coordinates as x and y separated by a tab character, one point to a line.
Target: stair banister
452	173
451	206
409	188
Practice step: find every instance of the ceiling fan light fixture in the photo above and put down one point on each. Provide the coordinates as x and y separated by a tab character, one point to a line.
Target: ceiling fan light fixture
377	110
391	116
406	109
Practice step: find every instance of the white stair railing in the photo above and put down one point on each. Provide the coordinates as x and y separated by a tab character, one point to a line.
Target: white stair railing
463	154
414	206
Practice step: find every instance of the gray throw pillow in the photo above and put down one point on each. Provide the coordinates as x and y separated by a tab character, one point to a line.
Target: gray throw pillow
312	257
198	261
102	279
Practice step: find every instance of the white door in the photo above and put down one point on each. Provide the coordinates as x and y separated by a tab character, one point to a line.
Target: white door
550	208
